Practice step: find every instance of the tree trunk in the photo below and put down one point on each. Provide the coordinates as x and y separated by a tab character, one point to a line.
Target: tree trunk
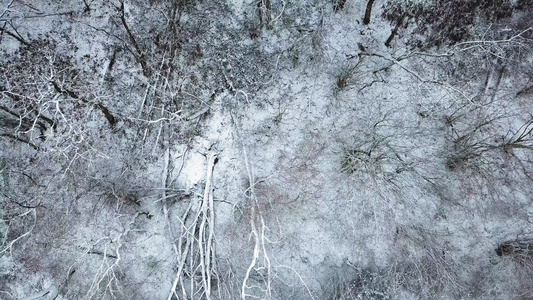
368	12
394	32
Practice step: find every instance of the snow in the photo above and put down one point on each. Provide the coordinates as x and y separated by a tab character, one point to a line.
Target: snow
400	209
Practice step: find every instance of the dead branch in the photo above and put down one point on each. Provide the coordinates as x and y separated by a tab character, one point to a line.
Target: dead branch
195	244
107	114
140	57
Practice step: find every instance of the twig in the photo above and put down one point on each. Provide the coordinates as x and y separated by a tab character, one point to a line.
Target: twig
7	8
424	80
15	36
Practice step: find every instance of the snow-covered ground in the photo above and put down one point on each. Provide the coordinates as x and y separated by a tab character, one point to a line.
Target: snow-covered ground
345	169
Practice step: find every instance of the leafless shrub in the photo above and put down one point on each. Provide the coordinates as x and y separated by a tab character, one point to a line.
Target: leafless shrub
364	158
347	76
338	5
371	152
366	283
478	139
421	266
520	252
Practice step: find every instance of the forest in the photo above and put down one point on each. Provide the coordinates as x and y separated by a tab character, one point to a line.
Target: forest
266	149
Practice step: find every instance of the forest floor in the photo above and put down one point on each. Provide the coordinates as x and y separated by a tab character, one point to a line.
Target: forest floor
304	161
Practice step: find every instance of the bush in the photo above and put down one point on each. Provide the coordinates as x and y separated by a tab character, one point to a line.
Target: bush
446	22
366	284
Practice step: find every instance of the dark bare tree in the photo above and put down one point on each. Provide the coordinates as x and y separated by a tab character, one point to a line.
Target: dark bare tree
368	12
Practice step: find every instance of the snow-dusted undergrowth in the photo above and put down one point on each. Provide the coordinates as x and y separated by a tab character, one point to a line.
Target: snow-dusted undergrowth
258	150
